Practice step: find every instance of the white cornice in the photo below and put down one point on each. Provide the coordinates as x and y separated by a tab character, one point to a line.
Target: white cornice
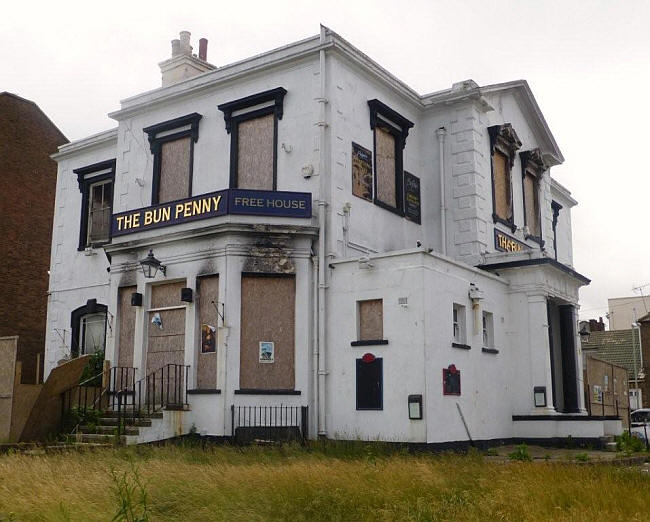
557	188
101	139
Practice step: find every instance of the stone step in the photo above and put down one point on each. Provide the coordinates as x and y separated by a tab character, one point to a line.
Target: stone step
610	446
102	438
110	429
112	421
114	414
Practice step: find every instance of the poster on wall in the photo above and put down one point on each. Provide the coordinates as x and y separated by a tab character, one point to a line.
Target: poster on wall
267	352
208	338
361	172
412	209
598	394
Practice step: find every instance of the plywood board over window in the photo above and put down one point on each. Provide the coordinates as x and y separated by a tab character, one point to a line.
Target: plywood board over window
371	320
267	315
126	320
386	167
206	370
166	345
531	199
175	157
255	142
502	188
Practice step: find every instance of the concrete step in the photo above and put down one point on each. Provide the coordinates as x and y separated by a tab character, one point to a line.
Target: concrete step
112	421
610	446
114	414
102	438
110	429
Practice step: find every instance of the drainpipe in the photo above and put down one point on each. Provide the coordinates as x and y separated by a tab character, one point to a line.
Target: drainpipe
322	244
441	133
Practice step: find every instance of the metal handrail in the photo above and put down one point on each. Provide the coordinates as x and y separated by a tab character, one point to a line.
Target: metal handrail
96	397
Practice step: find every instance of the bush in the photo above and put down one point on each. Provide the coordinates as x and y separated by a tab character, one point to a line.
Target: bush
78	416
582	457
521	453
94	368
629	444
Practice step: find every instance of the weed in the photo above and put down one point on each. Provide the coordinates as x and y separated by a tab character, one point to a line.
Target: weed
491	452
131	497
520	453
629	444
582	457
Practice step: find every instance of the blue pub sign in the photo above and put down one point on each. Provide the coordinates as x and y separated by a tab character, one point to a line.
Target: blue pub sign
230	201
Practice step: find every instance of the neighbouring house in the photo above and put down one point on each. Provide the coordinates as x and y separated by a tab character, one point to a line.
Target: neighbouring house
592	326
299	240
622	348
27	191
625	311
606	389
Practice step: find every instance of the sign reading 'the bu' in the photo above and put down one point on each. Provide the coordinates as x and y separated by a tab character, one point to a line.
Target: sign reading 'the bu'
231	201
506	243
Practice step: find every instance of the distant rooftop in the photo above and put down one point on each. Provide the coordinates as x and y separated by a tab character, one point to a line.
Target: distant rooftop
615	346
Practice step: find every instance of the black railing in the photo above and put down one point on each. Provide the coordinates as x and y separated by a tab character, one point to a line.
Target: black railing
78	401
164	388
120	378
272	423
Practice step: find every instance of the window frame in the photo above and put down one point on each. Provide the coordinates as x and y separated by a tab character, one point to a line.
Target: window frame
91	185
86	177
232	124
532	163
461	320
91	307
382	116
359	364
156	142
368	342
504	139
490	346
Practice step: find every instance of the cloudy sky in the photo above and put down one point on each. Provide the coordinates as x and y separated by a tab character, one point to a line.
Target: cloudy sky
587	62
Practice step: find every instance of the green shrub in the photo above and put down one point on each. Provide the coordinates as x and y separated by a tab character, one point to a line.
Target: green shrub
94	368
521	453
78	416
629	444
582	457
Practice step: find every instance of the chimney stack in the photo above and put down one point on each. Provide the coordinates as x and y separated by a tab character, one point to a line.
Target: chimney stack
183	64
203	49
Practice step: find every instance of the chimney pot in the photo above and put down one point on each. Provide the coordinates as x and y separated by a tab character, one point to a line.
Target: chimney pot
176	48
203	49
185	43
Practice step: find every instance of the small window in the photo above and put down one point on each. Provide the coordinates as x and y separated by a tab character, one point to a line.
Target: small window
458	324
172	145
370	320
533	167
488	330
390	132
370	383
503	145
252	123
93	333
96	186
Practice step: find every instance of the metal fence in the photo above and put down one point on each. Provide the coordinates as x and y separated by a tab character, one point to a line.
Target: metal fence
268	423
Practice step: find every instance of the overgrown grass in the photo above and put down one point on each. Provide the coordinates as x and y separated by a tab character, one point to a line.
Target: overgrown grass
340	481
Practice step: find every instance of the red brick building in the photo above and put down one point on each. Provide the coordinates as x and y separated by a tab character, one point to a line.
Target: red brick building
27	191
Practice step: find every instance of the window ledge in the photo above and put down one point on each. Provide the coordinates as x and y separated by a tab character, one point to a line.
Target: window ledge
203	392
255	391
461	346
386	206
489	350
369	342
536	239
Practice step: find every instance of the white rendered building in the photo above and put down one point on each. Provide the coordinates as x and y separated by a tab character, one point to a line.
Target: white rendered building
397	265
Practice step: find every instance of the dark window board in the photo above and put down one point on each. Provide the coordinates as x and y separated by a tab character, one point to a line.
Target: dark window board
254	391
276	95
461	346
203	392
489	350
369	385
369	342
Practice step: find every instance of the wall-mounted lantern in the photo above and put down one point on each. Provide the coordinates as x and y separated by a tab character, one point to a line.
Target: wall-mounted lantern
136	299
150	266
415	407
539	393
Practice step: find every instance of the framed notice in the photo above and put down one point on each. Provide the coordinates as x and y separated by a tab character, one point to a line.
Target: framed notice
267	352
208	339
412	209
361	172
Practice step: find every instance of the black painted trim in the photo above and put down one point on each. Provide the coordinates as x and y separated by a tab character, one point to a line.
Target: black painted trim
489	350
255	391
533	262
555	207
461	346
203	392
155	144
563	417
234	142
91	307
369	342
276	95
551	347
379	108
84	179
531	161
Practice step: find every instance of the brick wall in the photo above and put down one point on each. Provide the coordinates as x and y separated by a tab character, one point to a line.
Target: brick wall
27	189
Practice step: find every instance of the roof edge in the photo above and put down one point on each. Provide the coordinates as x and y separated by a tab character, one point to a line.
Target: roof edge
94	140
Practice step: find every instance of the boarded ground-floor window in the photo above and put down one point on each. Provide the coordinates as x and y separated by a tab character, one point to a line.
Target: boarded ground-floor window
267	346
371	320
208	300
166	327
370	383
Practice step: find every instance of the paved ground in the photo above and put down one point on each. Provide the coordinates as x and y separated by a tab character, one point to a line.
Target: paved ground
501	453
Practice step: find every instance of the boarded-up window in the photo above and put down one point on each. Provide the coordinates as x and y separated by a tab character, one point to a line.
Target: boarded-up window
370	383
208	293
267	316
175	157
255	143
502	197
166	328
531	202
126	319
386	167
371	320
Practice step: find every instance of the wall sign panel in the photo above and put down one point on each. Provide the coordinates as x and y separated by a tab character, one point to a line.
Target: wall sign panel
361	172
231	201
412	206
505	243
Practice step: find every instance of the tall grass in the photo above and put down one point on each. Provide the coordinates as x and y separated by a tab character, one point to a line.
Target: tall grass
344	481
